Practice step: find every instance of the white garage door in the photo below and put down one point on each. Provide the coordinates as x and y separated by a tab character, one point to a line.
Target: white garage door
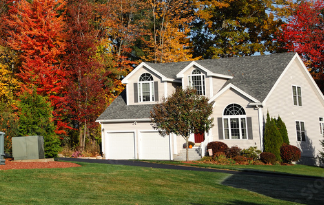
120	145
154	146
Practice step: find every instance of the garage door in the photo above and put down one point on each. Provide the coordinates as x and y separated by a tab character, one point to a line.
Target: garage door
120	145
154	146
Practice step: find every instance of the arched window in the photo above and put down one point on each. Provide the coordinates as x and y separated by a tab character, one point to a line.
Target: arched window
145	88
234	121
197	81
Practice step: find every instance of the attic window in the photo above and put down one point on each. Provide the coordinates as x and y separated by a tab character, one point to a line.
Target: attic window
197	81
146	88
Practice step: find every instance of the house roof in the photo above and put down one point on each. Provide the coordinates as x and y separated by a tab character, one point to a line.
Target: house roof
119	110
255	75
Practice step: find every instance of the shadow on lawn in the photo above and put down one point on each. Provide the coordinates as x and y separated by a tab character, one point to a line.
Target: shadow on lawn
295	189
236	202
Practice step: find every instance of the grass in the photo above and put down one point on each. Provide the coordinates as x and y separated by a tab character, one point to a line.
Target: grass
117	184
287	169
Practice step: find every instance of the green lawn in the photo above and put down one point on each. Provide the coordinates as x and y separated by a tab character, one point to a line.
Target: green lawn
288	169
117	184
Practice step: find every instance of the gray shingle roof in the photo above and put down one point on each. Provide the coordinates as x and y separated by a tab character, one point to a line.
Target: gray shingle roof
119	110
255	75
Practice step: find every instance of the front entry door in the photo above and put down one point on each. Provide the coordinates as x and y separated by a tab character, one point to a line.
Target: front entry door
199	137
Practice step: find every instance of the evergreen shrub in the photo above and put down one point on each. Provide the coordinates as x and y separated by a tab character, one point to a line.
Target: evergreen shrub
290	153
268	157
272	138
217	146
283	130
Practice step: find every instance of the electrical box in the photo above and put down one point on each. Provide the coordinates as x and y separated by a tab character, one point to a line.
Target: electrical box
28	147
2	160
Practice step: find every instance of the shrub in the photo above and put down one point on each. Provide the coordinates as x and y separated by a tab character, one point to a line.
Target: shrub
268	157
283	130
290	153
272	138
233	152
217	146
77	154
251	152
239	158
221	159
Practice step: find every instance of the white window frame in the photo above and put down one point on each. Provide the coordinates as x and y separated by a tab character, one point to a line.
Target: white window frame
298	97
321	124
301	131
202	79
140	90
228	119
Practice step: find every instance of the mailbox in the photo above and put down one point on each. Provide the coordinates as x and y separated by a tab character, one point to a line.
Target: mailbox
2	160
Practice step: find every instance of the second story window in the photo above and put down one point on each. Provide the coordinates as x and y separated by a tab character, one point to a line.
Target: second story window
145	88
197	81
297	95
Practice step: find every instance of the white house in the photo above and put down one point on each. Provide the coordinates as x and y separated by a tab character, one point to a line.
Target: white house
243	90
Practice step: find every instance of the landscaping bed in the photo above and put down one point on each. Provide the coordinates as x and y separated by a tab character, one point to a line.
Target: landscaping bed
36	165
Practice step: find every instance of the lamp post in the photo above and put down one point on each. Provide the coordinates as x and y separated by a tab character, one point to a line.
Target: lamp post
2	160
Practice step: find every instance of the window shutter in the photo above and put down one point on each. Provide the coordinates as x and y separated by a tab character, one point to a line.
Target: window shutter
135	93
220	128
156	90
249	127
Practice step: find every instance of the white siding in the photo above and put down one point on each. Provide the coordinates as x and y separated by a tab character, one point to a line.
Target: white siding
135	78
228	97
280	102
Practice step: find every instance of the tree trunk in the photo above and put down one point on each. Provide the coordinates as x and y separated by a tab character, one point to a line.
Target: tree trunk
187	147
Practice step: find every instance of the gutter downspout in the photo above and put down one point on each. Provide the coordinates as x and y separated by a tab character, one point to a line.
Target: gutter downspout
259	106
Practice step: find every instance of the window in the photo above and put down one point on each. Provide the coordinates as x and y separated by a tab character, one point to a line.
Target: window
145	88
321	124
197	81
234	120
300	129
297	95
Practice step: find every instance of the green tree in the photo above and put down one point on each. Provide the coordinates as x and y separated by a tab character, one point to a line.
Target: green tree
35	118
183	113
283	130
272	138
321	154
8	125
228	28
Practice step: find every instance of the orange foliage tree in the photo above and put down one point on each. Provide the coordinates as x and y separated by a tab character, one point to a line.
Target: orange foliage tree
35	30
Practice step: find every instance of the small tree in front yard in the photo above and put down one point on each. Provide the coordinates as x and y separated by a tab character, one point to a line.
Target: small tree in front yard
183	113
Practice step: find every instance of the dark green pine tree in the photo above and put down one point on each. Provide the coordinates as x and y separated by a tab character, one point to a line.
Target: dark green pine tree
283	130
35	118
321	154
272	138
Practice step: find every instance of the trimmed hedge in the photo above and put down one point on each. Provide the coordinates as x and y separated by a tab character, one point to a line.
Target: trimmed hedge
289	153
268	157
217	146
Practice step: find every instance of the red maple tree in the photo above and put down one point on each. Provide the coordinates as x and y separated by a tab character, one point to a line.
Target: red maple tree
36	31
304	34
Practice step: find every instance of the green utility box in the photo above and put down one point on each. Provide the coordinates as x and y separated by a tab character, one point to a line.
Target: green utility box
2	160
28	147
